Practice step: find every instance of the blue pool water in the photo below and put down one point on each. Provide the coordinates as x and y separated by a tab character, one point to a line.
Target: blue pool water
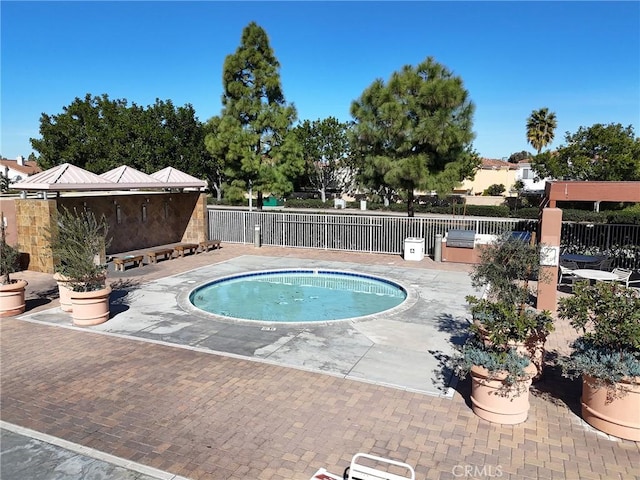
298	296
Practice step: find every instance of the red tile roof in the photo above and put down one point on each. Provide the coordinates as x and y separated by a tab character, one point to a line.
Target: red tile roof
29	167
489	163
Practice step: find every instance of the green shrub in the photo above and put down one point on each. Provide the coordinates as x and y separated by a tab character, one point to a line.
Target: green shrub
504	322
308	203
628	216
496	360
494	190
236	202
487	210
607	315
8	256
77	238
528	212
573	215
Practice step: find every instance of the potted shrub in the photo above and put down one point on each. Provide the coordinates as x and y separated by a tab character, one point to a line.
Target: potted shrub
12	291
500	380
606	355
77	240
506	316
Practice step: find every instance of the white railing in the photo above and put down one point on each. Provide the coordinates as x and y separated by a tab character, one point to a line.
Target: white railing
355	232
361	232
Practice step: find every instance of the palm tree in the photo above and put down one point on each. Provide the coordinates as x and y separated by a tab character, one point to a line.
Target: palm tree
540	128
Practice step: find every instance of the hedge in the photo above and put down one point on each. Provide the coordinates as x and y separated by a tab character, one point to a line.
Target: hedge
627	216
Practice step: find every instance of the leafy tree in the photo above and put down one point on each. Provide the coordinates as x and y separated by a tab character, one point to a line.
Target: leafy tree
415	131
325	147
600	152
252	137
518	186
541	127
494	190
520	156
98	134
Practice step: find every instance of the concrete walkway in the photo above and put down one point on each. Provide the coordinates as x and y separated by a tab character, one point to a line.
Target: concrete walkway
142	390
27	454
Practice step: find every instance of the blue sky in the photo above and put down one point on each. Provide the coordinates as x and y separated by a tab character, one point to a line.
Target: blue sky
579	59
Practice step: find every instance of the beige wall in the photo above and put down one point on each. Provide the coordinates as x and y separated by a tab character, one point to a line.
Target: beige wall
145	220
484	200
8	210
486	177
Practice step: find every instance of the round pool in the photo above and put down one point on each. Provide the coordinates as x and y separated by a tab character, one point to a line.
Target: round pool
298	296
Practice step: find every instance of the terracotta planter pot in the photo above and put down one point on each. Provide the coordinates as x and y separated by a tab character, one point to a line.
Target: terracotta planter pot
90	308
619	416
12	298
491	401
533	348
64	292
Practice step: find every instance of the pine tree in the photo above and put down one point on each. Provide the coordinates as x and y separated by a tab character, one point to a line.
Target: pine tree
415	131
252	138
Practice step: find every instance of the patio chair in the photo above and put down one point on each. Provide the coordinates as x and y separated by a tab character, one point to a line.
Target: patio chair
569	264
370	467
566	272
605	264
623	275
377	468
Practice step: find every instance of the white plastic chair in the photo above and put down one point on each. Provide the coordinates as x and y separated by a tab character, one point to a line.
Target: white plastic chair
623	275
370	469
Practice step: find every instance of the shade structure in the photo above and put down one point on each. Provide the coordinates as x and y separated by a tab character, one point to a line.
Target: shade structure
67	177
129	178
177	179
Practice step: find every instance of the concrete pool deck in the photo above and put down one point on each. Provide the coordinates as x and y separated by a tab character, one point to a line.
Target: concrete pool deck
396	348
129	391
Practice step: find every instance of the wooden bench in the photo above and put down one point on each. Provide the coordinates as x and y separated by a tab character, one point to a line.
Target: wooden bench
207	244
120	262
165	253
190	247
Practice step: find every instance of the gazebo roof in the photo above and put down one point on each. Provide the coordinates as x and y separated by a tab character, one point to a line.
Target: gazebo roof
173	176
67	177
127	177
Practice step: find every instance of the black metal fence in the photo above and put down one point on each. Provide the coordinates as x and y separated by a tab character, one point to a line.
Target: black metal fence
620	242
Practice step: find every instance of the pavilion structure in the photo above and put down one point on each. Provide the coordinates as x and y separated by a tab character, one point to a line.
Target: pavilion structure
141	210
551	224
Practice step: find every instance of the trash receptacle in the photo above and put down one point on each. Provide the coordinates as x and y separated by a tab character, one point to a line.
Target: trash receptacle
414	248
363	204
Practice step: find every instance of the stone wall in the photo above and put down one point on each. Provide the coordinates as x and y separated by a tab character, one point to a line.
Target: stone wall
136	221
33	219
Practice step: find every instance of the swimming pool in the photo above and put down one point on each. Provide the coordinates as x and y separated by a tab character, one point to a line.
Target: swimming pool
301	295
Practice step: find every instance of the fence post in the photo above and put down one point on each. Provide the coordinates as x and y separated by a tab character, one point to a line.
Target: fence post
437	248
256	236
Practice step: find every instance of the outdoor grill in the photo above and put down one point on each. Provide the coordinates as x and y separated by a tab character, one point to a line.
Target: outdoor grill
461	238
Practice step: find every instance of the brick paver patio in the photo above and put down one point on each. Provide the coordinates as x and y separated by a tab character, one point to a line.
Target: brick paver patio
206	416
